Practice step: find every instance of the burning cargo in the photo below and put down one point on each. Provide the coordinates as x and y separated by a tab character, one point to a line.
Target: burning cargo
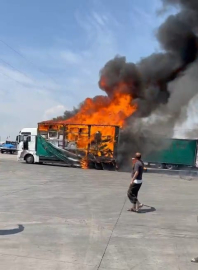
86	146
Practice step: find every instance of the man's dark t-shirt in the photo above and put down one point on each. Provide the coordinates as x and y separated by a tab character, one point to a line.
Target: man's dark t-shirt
138	167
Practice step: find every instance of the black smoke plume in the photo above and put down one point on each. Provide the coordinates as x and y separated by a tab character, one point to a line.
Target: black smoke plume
162	84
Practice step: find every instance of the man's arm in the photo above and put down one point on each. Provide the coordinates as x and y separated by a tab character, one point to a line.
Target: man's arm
134	177
136	170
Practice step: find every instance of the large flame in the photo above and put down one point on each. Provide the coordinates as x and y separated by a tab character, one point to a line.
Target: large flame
103	113
104	110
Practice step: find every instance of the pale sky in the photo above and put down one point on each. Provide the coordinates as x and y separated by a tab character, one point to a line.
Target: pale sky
51	52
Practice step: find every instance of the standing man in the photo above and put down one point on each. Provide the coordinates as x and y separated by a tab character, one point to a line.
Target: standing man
136	182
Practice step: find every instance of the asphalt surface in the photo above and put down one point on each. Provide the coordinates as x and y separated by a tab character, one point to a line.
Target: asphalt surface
55	218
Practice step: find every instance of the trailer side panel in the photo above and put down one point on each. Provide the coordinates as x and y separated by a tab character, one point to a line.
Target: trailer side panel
178	152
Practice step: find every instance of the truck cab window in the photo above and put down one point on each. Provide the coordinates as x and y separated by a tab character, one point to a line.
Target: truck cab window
25	142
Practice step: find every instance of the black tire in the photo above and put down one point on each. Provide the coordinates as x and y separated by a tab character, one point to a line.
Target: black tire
98	166
161	166
170	166
91	165
29	159
109	166
2	151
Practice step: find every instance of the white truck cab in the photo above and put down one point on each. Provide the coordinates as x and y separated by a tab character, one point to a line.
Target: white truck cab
27	145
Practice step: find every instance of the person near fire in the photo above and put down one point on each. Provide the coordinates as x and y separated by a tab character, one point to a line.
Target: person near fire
136	182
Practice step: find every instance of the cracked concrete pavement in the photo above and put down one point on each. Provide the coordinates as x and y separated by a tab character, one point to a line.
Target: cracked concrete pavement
77	219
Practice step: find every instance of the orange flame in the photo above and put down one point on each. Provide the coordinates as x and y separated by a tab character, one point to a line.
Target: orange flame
111	110
102	110
84	163
105	111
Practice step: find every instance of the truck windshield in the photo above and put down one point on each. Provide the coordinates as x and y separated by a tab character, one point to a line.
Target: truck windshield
22	138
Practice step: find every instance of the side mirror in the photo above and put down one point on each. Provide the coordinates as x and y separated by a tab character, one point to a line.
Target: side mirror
17	139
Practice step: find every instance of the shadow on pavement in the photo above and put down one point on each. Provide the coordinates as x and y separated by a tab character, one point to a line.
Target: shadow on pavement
12	231
147	210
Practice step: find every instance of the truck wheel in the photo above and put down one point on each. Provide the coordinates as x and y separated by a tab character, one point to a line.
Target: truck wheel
161	166
29	159
170	166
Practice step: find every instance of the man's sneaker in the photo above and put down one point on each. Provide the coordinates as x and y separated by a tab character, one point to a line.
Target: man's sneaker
195	260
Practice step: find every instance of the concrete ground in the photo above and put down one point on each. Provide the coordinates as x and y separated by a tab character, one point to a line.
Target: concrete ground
55	218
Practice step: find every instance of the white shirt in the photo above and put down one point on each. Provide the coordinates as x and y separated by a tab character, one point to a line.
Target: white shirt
136	181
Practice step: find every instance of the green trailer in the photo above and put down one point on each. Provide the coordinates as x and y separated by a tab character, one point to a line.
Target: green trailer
174	153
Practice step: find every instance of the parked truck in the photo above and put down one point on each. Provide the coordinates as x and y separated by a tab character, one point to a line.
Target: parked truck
173	154
9	147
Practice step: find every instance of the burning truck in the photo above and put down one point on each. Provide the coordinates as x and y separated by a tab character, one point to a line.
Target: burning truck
143	99
96	147
87	146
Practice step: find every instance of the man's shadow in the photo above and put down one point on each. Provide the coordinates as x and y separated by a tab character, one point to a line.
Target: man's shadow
12	231
146	210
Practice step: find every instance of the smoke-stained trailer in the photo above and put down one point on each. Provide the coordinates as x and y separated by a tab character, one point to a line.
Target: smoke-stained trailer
91	146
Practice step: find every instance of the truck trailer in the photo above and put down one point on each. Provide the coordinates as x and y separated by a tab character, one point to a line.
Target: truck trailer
173	154
85	146
96	146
